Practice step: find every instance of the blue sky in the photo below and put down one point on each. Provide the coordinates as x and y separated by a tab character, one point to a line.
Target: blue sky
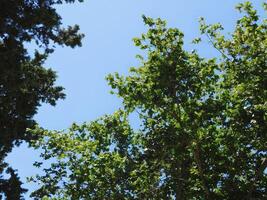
109	26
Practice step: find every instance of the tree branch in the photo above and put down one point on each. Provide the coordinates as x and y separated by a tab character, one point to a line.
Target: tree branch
258	174
200	169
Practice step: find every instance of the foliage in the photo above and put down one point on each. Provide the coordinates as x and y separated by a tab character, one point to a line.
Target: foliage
24	82
203	124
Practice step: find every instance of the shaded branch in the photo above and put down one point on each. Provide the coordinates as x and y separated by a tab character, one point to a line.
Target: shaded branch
259	172
201	172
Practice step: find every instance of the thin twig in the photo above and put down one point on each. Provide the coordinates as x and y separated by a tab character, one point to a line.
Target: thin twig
214	45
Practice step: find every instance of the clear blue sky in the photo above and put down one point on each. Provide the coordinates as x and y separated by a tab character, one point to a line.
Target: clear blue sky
109	26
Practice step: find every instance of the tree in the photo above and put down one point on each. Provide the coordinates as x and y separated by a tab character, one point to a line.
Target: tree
203	124
24	82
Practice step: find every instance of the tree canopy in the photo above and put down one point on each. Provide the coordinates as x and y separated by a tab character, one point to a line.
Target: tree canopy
24	82
202	131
